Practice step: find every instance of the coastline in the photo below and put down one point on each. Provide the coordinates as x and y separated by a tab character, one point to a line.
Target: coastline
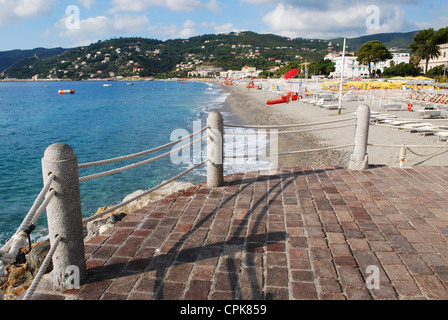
251	106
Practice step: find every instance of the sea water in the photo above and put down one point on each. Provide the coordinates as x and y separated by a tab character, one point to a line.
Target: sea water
98	122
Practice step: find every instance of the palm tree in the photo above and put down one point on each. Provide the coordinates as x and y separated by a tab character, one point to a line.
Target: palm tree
428	50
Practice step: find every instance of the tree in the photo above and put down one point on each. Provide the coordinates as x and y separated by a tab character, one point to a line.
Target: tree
403	70
322	67
373	52
426	44
441	36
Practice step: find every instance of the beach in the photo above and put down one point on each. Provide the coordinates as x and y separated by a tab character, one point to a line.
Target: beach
250	105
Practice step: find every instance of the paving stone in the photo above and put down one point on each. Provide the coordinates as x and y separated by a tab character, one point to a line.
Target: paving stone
297	233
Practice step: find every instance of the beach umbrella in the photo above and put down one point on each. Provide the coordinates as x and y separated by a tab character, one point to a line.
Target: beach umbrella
291	74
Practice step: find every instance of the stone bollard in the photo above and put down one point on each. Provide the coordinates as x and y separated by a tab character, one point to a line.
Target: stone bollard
64	215
215	153
359	159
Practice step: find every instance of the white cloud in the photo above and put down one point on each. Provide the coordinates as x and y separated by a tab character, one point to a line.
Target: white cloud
341	18
87	3
101	26
13	10
173	5
220	28
187	30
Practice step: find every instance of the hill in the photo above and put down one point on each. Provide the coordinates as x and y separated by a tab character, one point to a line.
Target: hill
390	40
8	58
126	57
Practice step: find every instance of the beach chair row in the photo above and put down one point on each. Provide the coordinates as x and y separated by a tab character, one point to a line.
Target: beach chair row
411	126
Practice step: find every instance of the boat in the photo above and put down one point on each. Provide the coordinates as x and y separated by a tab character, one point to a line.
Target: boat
68	91
290	96
107	85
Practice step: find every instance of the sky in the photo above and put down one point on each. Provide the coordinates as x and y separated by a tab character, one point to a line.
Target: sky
27	24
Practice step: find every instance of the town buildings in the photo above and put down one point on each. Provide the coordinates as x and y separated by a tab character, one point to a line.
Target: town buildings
352	68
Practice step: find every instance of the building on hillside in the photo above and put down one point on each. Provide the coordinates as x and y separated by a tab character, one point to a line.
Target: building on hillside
204	72
441	60
352	68
246	72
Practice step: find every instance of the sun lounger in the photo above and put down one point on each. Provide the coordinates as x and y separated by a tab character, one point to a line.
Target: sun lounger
330	106
432	113
398	122
392	107
415	125
443	136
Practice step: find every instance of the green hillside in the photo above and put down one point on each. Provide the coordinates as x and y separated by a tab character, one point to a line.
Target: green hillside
8	58
126	57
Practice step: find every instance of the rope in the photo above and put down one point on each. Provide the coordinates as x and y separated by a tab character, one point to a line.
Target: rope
285	125
280	132
317	129
139	154
425	155
42	269
400	146
408	129
312	150
30	216
95	217
138	164
17	242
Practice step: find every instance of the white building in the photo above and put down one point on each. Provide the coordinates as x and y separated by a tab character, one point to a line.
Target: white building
442	60
246	72
352	68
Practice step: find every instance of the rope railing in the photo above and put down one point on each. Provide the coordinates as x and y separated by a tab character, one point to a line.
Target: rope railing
288	132
287	125
114	208
313	150
60	163
29	293
9	251
139	164
139	154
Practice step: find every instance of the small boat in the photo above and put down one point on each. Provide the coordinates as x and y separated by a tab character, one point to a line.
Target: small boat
66	91
290	96
129	84
107	85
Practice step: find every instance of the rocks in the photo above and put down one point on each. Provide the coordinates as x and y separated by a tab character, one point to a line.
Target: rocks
20	275
37	256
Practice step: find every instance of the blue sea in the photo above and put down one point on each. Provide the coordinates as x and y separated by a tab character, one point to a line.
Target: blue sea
98	123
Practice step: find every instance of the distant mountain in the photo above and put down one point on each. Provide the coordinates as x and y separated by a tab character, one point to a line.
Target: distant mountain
390	40
8	58
127	57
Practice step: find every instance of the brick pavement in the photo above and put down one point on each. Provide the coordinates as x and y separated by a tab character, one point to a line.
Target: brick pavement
298	233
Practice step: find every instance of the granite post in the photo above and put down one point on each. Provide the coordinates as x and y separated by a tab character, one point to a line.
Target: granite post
359	159
215	147
64	215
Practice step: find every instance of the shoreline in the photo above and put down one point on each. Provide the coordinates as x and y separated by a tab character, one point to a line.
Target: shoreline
251	106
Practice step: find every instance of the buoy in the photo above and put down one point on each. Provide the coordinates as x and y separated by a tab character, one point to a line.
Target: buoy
66	91
409	107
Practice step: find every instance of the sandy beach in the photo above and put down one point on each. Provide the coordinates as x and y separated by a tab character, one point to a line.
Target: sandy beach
250	105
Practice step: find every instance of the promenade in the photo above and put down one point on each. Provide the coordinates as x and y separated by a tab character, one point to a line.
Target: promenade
307	233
